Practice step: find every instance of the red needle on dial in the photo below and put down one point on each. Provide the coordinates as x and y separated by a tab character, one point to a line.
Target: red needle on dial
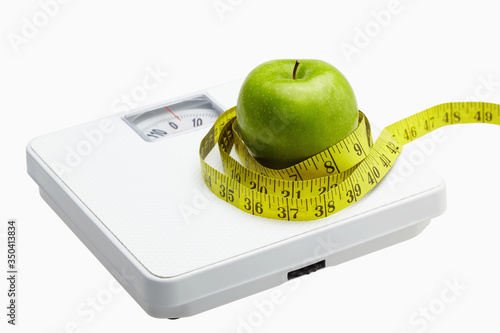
172	113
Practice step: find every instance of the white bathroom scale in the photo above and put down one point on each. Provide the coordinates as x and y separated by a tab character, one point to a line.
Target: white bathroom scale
130	187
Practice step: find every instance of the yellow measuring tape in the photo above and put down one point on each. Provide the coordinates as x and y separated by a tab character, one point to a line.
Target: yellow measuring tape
331	180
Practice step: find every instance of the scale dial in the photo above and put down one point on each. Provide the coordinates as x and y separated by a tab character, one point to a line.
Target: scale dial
174	118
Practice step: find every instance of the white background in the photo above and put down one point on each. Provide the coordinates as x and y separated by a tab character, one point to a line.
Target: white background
79	63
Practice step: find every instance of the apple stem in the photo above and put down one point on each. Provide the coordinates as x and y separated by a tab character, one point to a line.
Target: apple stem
295	69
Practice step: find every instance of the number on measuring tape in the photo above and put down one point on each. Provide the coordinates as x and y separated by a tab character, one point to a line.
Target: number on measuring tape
331	180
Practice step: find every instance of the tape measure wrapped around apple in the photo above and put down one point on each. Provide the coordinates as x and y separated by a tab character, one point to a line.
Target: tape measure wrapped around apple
306	151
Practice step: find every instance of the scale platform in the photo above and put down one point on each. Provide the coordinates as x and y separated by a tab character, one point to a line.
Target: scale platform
130	187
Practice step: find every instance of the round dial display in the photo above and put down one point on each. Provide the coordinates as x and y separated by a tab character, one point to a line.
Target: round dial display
165	121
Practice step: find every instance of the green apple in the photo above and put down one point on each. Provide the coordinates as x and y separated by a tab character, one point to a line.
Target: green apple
290	110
